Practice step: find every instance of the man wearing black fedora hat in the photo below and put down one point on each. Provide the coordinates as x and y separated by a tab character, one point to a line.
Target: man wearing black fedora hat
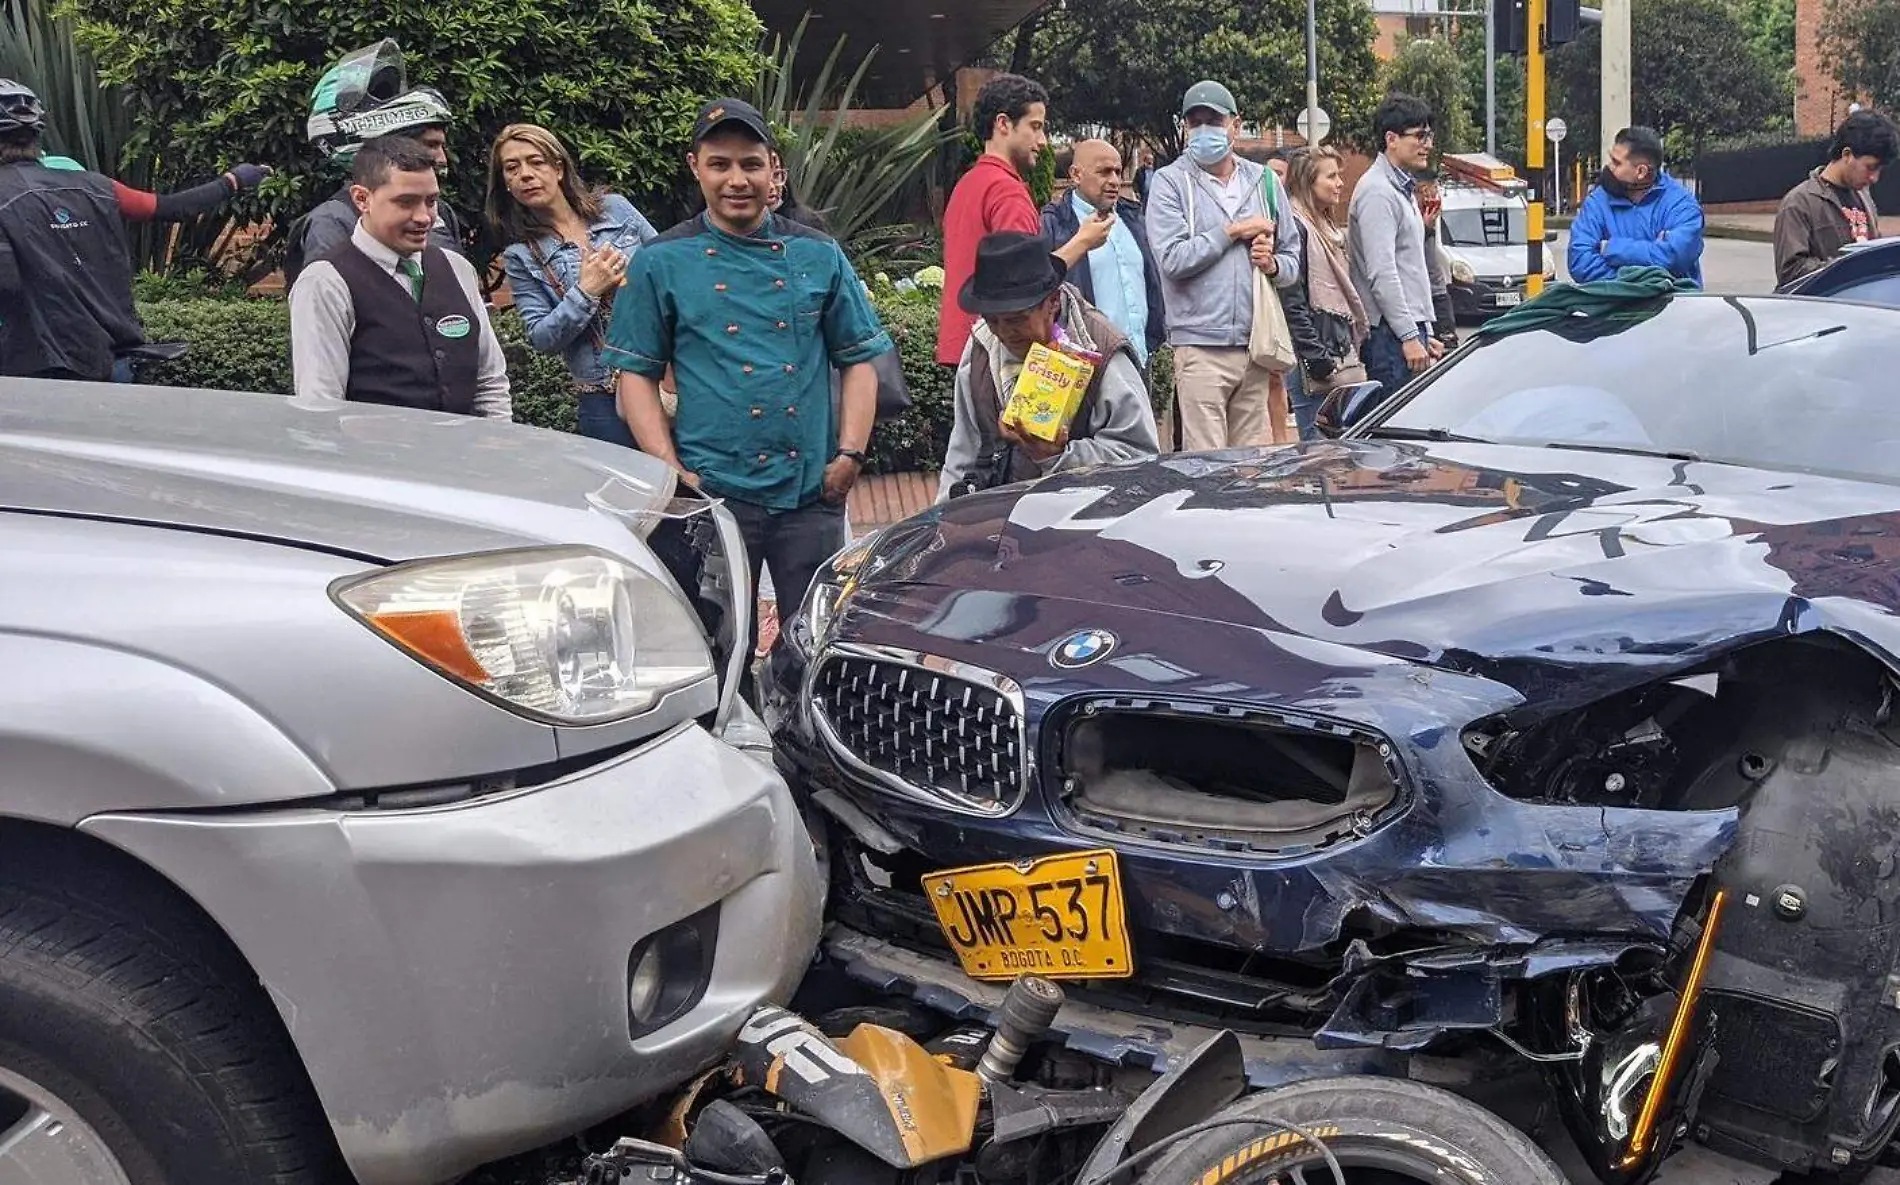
1018	294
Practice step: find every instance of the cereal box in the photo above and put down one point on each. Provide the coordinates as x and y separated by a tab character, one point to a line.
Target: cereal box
1049	390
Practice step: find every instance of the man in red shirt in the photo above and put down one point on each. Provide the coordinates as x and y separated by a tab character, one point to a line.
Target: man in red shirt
1011	115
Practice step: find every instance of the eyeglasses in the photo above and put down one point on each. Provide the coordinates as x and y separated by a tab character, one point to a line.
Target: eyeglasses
1422	135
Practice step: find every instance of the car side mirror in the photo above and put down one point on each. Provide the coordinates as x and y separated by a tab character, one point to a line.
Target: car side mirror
1346	406
1550	236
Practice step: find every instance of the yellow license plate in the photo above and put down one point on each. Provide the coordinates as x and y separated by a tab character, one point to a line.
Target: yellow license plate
1058	916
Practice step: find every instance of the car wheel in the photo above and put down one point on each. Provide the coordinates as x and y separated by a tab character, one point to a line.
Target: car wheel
137	1048
1383	1131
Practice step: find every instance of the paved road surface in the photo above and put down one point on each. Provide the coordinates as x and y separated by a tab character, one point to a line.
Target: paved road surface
1728	265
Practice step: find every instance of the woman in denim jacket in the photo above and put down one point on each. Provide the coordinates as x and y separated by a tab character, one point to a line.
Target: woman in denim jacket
567	255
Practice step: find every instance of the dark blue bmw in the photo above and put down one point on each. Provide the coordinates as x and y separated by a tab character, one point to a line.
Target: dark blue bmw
1548	714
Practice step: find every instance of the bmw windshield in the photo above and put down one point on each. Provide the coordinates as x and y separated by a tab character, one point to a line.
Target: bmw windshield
1801	385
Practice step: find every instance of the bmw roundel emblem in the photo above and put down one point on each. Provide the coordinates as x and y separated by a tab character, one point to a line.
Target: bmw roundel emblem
1082	648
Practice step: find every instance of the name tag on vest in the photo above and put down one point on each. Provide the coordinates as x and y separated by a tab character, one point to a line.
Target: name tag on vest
454	326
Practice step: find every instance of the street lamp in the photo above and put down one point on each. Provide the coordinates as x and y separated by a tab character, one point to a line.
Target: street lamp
1557	129
1314	123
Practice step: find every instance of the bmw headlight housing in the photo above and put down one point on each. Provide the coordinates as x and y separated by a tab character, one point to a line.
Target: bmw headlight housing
831	588
568	635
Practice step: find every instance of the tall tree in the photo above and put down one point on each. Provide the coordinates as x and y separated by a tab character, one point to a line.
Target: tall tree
1468	38
1863	38
1770	25
621	82
1429	68
1126	63
1698	76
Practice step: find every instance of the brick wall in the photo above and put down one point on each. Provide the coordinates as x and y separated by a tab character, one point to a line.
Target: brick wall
1818	104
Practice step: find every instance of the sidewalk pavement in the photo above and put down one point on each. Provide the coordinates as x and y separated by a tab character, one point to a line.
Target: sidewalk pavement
1760	228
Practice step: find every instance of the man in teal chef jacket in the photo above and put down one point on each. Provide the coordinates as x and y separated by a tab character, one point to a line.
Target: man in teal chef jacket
752	311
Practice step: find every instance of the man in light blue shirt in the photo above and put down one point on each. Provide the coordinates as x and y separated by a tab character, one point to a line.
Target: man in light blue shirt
1119	278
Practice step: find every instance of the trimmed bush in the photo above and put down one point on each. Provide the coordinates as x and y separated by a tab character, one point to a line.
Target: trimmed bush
244	345
919	438
214	84
235	345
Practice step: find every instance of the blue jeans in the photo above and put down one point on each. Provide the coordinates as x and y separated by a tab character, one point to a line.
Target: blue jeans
1384	357
600	419
1304	407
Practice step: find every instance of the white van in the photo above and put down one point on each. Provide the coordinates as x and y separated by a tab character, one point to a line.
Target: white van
1481	230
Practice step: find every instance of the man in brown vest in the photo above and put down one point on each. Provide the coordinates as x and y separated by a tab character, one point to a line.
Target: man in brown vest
1018	293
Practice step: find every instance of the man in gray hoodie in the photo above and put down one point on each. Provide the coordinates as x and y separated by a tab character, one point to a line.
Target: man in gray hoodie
1205	213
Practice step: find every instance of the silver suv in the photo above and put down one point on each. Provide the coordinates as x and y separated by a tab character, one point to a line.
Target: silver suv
374	794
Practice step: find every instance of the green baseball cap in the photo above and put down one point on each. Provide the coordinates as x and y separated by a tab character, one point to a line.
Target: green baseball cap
1212	95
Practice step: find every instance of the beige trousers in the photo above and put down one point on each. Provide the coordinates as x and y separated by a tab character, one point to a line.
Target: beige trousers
1220	397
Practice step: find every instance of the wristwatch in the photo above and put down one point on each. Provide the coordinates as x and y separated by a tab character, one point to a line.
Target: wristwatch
854	454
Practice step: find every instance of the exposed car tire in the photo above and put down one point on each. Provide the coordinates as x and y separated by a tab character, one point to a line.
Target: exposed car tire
138	1046
1384	1131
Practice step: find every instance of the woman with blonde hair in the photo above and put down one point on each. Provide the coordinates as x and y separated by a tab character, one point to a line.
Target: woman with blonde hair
567	251
1324	312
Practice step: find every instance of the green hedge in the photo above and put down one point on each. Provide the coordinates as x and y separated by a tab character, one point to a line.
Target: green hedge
244	345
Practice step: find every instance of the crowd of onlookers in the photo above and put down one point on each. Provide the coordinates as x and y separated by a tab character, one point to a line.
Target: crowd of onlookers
740	347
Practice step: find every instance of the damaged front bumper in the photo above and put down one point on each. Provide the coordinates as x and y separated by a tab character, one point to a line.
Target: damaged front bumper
1231	930
1109	1035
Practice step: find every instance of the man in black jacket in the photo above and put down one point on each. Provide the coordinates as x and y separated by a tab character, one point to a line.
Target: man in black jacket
1120	277
65	270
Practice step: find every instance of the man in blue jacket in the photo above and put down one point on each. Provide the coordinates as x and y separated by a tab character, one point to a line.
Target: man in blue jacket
1119	277
1637	216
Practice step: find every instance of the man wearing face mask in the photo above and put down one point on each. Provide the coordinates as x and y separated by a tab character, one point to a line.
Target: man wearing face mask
1213	219
1637	216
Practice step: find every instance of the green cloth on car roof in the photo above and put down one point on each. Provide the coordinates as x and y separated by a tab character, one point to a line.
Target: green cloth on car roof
1636	294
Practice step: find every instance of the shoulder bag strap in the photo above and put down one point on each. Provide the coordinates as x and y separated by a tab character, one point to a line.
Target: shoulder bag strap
594	333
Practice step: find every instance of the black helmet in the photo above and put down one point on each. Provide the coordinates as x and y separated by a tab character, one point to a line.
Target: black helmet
367	94
20	109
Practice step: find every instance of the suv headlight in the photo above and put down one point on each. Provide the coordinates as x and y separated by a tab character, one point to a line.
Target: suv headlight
569	635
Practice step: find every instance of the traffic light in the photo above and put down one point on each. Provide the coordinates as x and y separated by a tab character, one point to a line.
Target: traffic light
1509	18
1562	22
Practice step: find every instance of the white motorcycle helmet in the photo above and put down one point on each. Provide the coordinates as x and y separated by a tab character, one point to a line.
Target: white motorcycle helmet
365	95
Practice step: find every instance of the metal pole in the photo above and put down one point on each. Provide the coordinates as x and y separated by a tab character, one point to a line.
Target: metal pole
1312	66
1490	78
1534	142
1616	72
1557	177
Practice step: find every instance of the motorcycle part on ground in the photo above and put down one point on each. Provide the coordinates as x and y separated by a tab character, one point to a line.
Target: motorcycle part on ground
1413	1133
1200	1084
962	1046
1029	1008
727	1140
877	1088
629	1159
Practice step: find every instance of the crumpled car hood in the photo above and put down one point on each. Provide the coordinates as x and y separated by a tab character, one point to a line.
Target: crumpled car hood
1423	551
370	481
